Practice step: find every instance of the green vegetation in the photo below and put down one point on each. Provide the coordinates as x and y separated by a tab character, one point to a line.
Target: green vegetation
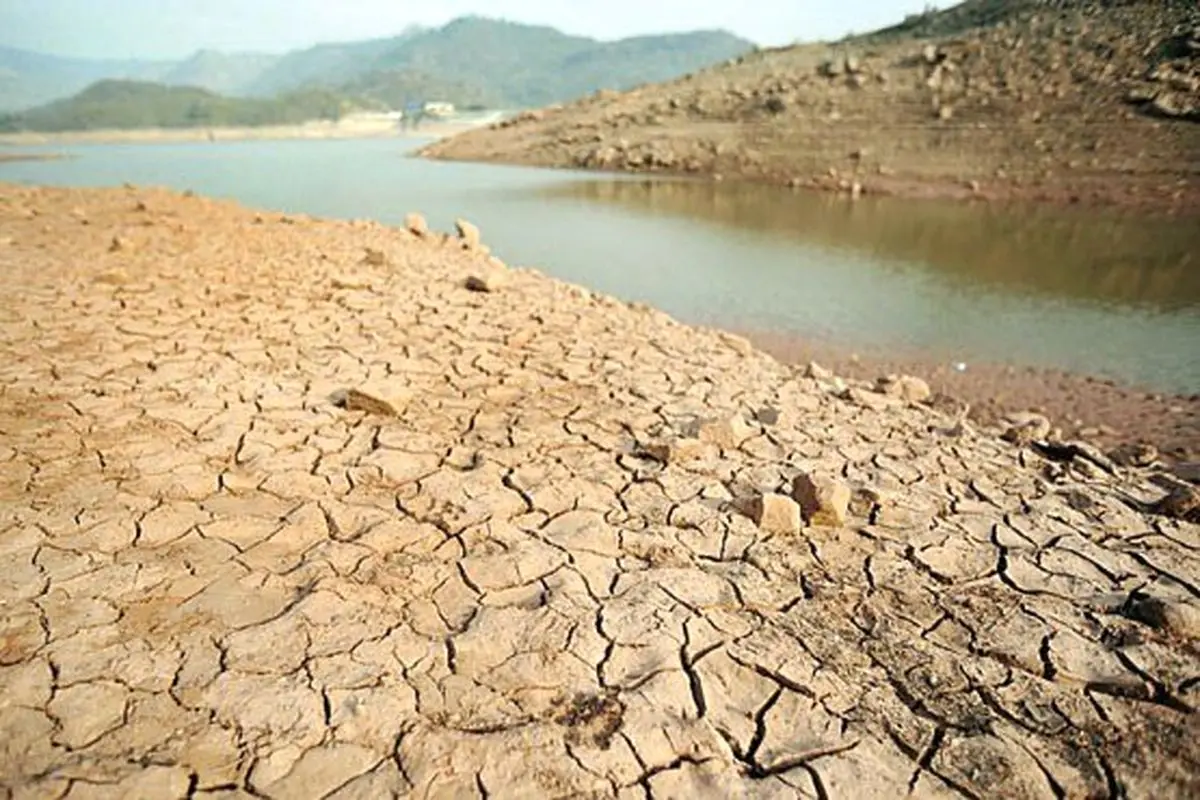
141	104
397	88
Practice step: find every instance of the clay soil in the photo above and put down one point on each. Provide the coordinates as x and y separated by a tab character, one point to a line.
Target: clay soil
303	508
1061	102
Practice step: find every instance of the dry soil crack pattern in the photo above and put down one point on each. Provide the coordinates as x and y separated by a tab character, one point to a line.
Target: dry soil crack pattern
297	508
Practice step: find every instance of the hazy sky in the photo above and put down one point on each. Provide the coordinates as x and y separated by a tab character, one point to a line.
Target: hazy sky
176	28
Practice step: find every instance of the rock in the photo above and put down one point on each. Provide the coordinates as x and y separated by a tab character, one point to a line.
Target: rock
1170	616
119	243
468	233
817	372
945	112
1188	471
676	450
727	433
375	258
1025	427
930	54
823	501
853	65
491	279
1134	455
1182	502
775	104
857	81
830	68
777	513
856	190
357	400
906	387
416	224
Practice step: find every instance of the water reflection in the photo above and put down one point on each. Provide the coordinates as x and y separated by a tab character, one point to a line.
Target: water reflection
1107	258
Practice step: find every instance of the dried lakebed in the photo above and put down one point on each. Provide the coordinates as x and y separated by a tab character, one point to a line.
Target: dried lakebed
304	508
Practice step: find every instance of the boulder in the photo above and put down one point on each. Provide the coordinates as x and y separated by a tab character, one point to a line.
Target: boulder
823	501
777	513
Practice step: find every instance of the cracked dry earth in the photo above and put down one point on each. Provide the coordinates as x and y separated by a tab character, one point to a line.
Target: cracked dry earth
217	580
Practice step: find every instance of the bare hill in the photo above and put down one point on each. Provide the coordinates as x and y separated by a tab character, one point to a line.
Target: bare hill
1063	100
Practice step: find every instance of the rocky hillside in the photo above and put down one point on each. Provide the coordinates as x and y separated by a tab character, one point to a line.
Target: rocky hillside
1063	100
301	508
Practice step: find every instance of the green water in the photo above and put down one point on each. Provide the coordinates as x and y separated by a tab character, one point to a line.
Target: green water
1098	293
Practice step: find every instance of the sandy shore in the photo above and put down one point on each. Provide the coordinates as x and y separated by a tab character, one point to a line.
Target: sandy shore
310	130
294	507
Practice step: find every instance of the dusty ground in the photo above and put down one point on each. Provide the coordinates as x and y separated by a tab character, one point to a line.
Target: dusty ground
1071	101
1104	412
224	574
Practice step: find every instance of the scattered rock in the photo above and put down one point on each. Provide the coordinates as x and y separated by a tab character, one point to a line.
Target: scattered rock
823	501
468	233
777	513
910	389
416	224
357	400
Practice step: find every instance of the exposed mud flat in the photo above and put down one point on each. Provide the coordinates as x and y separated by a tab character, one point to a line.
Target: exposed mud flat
292	507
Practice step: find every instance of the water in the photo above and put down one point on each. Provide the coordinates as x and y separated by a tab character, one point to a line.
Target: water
1088	292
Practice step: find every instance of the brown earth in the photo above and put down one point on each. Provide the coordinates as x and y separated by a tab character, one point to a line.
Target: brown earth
1065	101
287	510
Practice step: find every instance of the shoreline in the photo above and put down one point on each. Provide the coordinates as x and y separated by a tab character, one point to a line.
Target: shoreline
311	130
1100	410
297	506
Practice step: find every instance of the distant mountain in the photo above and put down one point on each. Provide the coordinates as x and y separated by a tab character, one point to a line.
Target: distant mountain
520	65
121	104
496	62
224	73
28	78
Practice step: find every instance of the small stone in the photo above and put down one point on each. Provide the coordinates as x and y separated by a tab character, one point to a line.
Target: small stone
678	450
930	54
824	501
488	280
416	224
906	387
1025	427
375	258
728	433
119	243
1182	502
357	400
468	233
1134	455
817	372
777	513
853	65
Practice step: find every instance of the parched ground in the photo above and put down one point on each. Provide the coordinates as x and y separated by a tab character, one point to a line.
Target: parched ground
1065	101
287	510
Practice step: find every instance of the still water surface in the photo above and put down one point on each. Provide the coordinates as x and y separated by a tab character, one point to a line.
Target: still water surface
1096	293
